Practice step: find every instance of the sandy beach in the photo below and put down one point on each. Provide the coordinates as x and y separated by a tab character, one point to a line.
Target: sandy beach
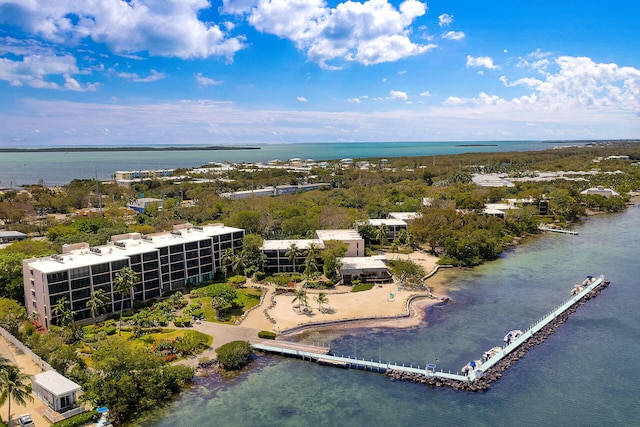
382	306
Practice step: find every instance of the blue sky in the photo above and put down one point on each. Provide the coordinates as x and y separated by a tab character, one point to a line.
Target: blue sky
117	72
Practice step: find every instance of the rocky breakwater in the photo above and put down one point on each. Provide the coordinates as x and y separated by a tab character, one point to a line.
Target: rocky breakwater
495	372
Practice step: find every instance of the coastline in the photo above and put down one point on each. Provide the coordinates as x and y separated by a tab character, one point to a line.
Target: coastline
384	306
133	149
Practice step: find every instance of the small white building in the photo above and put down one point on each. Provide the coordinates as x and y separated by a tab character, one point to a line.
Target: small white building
606	192
56	391
366	269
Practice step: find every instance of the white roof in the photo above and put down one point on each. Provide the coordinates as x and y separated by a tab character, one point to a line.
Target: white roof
75	259
403	215
344	234
361	263
55	383
301	244
387	221
122	249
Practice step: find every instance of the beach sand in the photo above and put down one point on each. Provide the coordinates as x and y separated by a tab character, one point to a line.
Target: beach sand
382	306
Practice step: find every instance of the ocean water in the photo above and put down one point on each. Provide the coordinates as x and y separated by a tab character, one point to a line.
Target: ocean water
586	374
60	168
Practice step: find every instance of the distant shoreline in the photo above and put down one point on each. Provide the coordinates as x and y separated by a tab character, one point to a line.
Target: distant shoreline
476	145
142	148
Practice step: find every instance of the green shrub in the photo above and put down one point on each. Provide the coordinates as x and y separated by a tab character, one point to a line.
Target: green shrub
234	355
237	280
77	420
362	287
268	335
259	276
182	322
110	330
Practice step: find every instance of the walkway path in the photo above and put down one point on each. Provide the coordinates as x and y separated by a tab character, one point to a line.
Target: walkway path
222	334
24	362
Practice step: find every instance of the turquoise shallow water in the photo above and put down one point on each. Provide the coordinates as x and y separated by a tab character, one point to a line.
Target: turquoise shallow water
585	374
59	168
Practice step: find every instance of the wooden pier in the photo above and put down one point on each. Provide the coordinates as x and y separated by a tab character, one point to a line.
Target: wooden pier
478	379
557	230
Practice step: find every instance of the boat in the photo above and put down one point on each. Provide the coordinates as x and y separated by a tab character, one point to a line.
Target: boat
512	336
490	353
103	421
471	366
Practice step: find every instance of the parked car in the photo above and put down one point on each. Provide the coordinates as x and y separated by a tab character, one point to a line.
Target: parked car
25	421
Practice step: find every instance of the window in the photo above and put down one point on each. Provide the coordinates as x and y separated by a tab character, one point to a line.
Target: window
177	257
150	256
118	265
79	272
100	268
57	277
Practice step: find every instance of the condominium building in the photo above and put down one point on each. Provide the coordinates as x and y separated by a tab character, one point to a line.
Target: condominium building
354	241
164	262
277	253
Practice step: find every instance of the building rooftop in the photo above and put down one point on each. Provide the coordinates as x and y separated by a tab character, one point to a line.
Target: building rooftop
302	244
124	245
387	221
343	234
355	263
56	383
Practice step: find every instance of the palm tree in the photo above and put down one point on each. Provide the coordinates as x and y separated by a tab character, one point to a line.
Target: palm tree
394	248
14	386
381	234
97	302
123	284
62	310
311	260
292	254
226	260
239	263
321	299
301	297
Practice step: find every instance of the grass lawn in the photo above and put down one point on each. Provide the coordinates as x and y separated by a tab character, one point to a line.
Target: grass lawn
145	341
247	298
362	287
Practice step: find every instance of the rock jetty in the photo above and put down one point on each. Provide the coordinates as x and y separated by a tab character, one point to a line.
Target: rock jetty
495	372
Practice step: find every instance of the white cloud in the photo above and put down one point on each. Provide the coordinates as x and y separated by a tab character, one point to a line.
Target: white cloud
396	94
354	100
369	33
301	99
579	81
135	77
445	20
206	81
481	61
35	70
163	28
425	93
454	35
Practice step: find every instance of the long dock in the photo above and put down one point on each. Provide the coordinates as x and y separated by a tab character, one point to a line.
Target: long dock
477	379
557	230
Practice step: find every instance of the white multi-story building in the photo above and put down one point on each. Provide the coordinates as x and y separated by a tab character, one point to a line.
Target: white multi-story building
277	251
354	241
164	262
